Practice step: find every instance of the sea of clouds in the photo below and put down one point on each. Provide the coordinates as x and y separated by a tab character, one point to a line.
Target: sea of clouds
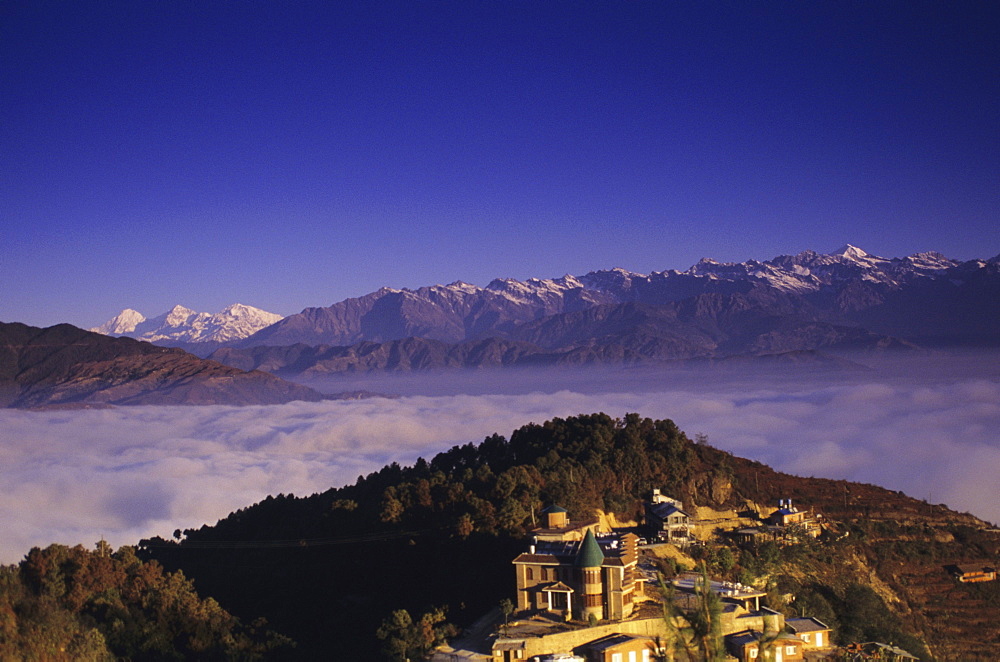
123	474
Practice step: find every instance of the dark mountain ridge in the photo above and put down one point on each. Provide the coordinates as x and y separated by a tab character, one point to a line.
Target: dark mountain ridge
66	366
705	327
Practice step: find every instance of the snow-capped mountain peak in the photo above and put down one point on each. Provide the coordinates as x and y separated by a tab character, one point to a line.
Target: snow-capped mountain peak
462	286
179	315
533	288
121	324
181	324
851	253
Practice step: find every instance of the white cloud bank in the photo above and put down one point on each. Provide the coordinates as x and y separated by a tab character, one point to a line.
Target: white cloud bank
127	473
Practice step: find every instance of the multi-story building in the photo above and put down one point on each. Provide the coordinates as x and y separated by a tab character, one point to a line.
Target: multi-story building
667	521
579	578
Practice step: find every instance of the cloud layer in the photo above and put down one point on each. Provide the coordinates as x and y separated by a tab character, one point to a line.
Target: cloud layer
127	473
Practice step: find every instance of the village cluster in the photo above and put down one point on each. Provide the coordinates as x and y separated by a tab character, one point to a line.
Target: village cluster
586	594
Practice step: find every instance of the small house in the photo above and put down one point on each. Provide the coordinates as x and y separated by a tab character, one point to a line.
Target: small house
813	632
968	573
752	645
620	648
667	521
788	518
786	514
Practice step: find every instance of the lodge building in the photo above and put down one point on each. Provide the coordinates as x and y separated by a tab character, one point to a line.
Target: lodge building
578	576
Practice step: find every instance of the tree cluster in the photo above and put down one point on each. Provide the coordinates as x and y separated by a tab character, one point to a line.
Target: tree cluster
405	639
68	603
582	463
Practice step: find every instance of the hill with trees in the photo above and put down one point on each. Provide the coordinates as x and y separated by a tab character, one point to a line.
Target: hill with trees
71	604
437	538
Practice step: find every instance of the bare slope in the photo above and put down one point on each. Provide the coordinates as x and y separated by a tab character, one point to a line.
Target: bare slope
66	366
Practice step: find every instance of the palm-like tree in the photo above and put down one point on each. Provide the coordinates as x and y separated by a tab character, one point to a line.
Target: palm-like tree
697	634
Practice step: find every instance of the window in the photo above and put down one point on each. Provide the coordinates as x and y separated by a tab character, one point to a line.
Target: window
753	653
530	575
616	657
806	637
789	650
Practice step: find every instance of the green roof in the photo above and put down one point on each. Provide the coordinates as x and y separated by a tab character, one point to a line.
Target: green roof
554	509
590	554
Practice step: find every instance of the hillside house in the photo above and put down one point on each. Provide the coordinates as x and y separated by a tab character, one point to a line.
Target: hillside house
595	576
752	537
666	520
970	573
787	518
620	648
815	634
753	645
786	514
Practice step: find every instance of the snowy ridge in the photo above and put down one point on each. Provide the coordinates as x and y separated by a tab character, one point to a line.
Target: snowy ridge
121	324
180	324
533	289
803	273
810	271
833	286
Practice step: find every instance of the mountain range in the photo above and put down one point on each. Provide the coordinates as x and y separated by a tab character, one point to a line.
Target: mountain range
183	325
844	300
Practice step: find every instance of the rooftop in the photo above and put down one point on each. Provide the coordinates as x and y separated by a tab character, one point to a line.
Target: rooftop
664	510
613	640
807	624
971	568
570	526
590	554
611	546
688	582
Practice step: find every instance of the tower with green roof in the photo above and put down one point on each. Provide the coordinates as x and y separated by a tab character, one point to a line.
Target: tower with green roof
589	560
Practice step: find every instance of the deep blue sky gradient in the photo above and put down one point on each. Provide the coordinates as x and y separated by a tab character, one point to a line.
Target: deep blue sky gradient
293	154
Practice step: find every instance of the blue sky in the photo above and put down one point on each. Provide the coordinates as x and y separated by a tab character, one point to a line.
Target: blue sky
293	154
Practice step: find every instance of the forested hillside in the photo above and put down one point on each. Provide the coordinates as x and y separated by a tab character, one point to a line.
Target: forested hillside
327	569
73	605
